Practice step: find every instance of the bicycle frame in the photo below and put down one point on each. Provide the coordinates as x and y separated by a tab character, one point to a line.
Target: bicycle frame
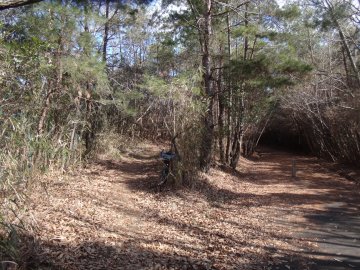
166	157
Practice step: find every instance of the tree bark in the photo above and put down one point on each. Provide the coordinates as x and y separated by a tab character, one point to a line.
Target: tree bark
221	107
44	112
5	4
239	131
238	136
229	118
208	133
106	32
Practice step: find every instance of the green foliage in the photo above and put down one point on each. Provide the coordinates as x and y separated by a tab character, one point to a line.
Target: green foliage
262	72
246	31
289	12
249	69
290	65
156	86
84	70
327	15
45	52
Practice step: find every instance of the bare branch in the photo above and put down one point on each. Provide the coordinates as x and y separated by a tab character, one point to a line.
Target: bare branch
5	4
232	8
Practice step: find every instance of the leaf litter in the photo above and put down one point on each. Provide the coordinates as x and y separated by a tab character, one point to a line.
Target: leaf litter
108	216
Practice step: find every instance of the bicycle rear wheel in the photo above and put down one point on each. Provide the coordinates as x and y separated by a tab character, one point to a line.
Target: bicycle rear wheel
163	177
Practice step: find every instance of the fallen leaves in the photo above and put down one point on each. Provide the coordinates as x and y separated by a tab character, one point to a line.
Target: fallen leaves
107	217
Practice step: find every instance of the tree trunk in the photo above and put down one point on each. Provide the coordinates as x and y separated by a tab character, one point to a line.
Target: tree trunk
238	137
208	133
44	112
236	148
230	98
106	32
239	132
221	110
89	133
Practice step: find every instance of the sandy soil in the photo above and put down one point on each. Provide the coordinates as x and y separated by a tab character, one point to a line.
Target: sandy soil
109	216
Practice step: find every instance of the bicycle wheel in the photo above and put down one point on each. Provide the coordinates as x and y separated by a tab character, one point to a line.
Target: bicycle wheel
163	177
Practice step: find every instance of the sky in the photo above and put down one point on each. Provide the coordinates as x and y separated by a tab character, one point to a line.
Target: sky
157	4
281	2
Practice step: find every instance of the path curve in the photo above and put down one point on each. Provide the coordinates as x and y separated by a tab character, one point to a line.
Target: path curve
328	206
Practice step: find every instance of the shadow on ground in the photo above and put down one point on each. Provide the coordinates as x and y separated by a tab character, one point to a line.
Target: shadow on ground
133	256
101	256
335	228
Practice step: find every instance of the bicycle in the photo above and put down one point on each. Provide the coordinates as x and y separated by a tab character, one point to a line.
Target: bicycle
166	157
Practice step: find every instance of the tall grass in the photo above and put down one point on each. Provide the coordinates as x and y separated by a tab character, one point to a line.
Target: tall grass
24	156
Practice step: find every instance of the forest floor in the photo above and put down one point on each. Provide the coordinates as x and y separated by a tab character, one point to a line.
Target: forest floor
108	216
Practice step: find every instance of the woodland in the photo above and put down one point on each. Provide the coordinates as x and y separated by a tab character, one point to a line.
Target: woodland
93	90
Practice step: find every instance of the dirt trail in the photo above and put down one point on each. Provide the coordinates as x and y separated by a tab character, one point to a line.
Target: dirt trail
108	216
327	203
